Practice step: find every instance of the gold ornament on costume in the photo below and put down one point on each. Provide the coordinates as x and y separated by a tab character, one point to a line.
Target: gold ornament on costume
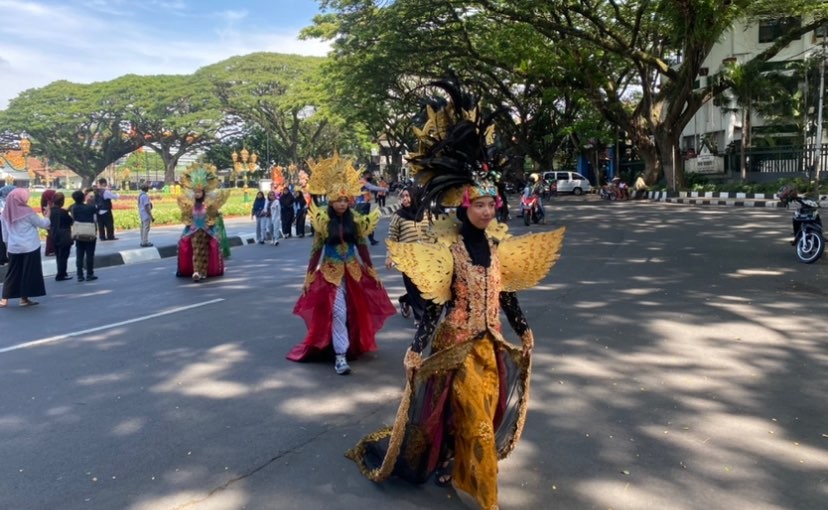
526	259
334	177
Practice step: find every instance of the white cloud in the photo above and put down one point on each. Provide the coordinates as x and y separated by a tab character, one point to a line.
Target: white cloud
83	45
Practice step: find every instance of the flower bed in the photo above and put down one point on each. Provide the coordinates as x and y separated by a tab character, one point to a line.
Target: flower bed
164	208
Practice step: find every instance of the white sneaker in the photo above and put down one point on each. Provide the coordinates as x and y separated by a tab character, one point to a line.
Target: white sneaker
341	365
196	277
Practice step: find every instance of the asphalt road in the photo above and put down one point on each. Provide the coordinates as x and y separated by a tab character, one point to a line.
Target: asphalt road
681	363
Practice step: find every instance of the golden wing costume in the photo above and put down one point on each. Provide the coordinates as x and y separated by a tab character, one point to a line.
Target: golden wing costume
465	404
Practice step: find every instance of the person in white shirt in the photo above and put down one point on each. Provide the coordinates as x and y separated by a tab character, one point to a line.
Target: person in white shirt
275	219
145	213
24	278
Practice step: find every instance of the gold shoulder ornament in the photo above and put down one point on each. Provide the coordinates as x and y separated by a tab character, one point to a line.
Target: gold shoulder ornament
429	265
366	223
525	260
319	218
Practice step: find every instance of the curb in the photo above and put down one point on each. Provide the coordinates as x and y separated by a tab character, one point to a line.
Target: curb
721	198
130	256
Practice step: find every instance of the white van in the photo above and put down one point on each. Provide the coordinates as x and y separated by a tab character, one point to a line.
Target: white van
569	182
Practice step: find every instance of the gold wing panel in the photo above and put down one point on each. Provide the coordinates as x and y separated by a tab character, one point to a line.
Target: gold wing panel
430	267
366	223
525	260
319	219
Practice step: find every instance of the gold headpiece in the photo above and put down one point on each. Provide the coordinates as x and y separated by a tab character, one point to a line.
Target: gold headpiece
458	158
197	177
334	177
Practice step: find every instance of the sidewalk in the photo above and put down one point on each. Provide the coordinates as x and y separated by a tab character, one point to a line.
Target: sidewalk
127	250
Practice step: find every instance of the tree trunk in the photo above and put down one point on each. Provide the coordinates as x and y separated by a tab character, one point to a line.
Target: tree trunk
669	159
745	142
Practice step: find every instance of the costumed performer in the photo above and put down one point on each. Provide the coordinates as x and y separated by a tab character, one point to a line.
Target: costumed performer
343	302
465	403
203	244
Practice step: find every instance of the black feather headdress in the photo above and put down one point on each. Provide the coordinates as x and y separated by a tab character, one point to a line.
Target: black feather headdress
456	159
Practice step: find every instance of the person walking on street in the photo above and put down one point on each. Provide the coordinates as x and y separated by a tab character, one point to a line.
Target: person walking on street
61	230
83	211
409	225
106	221
343	302
286	201
464	404
24	278
261	215
145	213
276	219
301	212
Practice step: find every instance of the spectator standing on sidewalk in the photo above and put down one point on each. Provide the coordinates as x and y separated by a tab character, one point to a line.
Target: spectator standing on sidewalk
24	278
4	192
145	212
46	200
84	211
103	201
60	229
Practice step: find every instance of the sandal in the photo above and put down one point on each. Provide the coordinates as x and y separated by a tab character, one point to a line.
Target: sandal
4	303
442	475
27	302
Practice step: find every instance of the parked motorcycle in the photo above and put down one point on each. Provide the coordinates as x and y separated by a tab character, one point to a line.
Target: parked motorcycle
530	209
807	226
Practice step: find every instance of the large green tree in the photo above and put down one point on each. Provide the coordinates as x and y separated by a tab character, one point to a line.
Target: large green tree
384	55
173	115
78	126
657	46
284	96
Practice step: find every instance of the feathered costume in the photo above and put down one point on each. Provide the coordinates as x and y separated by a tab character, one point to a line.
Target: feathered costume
465	403
334	263
203	244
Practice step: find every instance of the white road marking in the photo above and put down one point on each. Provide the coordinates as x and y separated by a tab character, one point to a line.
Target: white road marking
58	338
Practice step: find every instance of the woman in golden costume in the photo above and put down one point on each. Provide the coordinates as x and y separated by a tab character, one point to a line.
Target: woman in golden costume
464	404
343	302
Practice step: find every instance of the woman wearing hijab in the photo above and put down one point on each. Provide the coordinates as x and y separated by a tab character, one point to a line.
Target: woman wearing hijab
465	401
24	278
4	192
409	225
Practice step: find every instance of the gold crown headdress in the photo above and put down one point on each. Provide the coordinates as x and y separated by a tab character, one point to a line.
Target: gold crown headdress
456	160
334	177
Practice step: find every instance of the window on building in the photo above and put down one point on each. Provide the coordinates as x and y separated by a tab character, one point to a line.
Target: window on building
772	29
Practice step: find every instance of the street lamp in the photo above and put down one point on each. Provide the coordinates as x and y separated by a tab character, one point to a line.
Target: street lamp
244	162
25	148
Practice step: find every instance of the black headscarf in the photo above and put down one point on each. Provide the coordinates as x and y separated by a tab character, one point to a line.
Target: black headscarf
412	212
475	240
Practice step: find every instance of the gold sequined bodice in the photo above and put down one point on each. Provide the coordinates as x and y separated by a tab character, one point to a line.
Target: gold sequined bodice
476	292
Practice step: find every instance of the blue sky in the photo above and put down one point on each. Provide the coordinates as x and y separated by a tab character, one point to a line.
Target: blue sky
83	41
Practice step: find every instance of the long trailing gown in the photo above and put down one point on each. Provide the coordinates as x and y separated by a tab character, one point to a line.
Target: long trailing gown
469	398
